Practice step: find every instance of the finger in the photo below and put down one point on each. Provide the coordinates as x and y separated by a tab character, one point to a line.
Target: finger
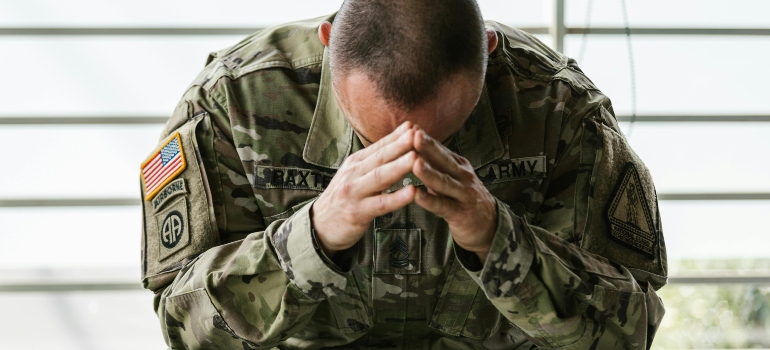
436	154
437	181
387	153
393	136
382	177
387	202
442	206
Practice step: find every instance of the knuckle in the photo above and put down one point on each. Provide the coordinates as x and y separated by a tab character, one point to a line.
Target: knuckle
346	189
350	161
382	204
445	180
379	157
377	175
355	167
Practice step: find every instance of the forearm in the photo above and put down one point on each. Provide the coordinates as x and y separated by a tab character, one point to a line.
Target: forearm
248	291
560	294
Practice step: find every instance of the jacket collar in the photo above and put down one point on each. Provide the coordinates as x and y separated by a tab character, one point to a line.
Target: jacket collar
331	139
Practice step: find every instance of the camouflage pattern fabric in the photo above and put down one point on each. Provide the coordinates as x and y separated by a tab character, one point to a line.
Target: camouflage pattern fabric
577	256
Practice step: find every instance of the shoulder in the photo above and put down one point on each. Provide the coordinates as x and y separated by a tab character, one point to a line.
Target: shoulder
535	85
292	46
276	69
530	58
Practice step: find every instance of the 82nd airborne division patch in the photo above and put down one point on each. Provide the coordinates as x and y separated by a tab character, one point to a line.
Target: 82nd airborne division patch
629	214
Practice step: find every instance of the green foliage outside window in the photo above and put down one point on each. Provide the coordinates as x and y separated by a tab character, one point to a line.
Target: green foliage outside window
716	316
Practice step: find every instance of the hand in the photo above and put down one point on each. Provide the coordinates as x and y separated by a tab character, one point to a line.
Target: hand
455	194
354	197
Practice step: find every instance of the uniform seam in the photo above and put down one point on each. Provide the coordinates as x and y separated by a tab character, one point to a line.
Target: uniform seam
186	295
237	73
575	221
587	117
534	76
539	327
296	64
164	272
216	159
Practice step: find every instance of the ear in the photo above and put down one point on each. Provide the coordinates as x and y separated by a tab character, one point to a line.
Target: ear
324	32
491	40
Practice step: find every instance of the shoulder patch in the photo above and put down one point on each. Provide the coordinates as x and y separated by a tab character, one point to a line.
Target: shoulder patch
171	190
630	218
173	228
163	166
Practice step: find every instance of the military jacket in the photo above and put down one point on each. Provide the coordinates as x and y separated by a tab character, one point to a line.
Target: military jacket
230	252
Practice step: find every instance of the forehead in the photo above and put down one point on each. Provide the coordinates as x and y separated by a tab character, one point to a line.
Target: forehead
359	90
374	116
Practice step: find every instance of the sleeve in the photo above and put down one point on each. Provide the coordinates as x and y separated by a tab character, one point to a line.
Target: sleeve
222	278
595	287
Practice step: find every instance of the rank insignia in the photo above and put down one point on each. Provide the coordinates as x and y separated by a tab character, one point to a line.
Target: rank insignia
164	165
399	253
630	216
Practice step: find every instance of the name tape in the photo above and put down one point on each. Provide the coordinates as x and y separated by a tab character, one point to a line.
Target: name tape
505	170
502	170
290	178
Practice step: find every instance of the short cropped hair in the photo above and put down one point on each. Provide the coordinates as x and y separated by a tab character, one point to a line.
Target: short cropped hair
409	47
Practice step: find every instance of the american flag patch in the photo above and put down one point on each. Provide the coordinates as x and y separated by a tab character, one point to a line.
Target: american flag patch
163	166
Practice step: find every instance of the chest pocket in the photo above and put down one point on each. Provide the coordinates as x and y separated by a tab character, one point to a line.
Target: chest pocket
516	182
288	212
462	309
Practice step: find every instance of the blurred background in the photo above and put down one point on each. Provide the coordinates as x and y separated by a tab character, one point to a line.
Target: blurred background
86	87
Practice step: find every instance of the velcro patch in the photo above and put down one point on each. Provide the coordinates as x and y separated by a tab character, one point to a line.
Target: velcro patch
171	190
629	215
398	251
173	228
290	178
162	166
501	170
505	170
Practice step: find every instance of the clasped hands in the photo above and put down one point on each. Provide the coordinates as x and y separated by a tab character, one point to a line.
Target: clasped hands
354	197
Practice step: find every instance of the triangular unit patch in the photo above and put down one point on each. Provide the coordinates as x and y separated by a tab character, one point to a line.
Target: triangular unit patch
629	215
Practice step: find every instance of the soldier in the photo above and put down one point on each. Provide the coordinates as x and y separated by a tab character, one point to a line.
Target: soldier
417	178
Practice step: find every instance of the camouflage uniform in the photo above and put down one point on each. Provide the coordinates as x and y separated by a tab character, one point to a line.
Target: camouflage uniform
229	250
